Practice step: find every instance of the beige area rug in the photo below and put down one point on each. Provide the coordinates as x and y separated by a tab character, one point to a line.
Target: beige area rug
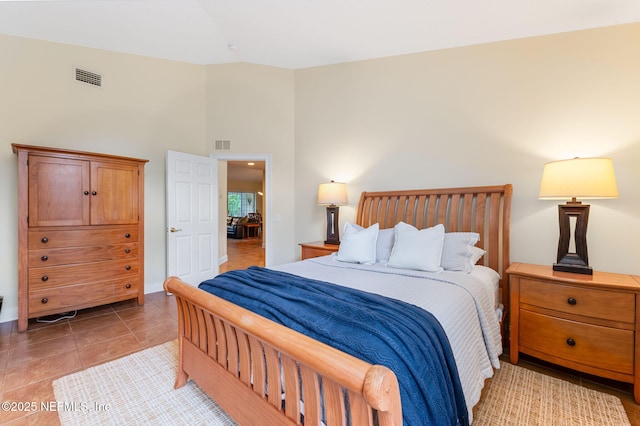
138	390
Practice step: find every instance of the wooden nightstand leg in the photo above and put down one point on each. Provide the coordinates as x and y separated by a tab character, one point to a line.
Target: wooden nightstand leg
514	323
636	355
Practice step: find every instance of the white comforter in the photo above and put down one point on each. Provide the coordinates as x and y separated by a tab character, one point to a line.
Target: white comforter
463	303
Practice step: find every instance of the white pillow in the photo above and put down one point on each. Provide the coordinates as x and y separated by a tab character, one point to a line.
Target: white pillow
476	254
358	245
384	245
417	249
386	238
456	250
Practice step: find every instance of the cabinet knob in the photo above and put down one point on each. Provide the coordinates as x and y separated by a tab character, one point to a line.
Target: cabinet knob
94	193
45	240
127	235
128	285
127	250
128	267
44	258
45	278
571	342
572	301
86	192
44	300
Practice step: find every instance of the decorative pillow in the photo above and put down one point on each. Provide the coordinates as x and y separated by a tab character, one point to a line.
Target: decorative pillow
384	245
358	245
386	238
417	249
476	254
456	250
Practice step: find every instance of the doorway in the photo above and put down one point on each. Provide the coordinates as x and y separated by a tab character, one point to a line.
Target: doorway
248	176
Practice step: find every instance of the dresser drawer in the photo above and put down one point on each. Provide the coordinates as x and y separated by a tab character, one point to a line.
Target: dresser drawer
588	302
72	255
47	239
59	299
602	347
55	276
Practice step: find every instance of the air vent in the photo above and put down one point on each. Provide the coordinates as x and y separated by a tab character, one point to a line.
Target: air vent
223	145
88	77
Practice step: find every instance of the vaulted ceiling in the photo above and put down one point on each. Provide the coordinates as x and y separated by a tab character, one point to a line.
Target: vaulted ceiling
299	33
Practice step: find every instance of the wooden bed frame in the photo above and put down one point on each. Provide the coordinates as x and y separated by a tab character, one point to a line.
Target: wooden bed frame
257	370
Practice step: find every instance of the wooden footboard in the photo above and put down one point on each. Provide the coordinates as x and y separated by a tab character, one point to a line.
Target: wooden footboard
259	372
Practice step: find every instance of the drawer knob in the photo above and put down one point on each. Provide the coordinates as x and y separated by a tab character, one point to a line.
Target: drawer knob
45	240
127	251
127	235
128	267
45	278
571	342
44	300
128	285
44	258
572	301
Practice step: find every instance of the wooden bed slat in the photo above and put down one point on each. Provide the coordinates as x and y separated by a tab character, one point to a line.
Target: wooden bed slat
291	387
274	385
334	397
360	412
310	396
258	367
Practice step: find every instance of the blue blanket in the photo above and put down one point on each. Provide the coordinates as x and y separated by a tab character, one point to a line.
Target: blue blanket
376	329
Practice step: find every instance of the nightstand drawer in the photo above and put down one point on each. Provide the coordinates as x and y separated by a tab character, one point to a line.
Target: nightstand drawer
588	302
602	347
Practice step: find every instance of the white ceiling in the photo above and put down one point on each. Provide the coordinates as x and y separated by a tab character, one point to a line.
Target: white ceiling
299	33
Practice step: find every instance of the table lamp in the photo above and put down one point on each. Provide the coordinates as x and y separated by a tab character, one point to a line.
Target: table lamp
585	178
332	194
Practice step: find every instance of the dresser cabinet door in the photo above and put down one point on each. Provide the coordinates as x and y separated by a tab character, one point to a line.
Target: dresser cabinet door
114	193
58	191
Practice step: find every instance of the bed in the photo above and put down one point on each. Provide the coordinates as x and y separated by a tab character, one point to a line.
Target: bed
261	372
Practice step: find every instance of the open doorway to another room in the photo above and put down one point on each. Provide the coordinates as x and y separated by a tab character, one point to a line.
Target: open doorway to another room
245	214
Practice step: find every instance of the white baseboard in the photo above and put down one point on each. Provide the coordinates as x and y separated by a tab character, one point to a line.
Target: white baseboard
8	314
223	259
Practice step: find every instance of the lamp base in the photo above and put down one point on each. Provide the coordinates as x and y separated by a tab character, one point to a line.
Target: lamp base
576	269
575	262
333	234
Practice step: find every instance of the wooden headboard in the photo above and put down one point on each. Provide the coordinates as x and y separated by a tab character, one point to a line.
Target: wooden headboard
482	209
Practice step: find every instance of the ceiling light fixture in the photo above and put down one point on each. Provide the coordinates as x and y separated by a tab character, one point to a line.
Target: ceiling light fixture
232	47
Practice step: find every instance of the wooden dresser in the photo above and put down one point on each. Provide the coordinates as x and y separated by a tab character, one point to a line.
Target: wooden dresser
588	323
80	230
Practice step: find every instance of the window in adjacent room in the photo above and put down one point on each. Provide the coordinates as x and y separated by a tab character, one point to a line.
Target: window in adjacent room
240	204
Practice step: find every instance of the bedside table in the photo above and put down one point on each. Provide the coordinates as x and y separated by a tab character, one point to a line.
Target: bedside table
588	323
317	249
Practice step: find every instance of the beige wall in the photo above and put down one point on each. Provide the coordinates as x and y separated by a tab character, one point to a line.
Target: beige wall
487	114
478	115
253	107
145	107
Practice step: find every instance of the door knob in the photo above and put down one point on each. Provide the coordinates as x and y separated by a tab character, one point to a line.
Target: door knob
175	229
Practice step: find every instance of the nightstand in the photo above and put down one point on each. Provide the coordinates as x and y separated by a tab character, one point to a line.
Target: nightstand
317	249
588	323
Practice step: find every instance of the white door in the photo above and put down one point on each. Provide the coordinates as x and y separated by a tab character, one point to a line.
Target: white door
192	223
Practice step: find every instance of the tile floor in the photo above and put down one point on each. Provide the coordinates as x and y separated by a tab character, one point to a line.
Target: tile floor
30	361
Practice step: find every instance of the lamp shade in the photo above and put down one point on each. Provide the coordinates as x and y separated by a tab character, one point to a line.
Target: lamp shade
332	194
578	178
